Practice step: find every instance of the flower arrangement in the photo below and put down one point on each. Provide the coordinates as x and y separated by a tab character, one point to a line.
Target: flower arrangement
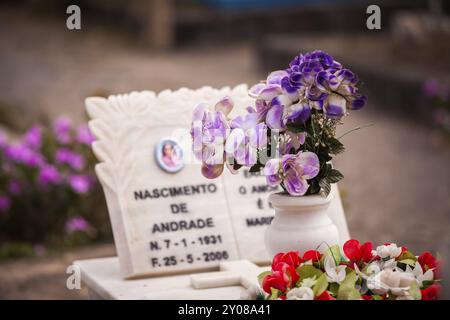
48	191
388	272
289	133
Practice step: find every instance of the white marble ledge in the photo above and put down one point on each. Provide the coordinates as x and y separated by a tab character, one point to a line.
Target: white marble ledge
103	279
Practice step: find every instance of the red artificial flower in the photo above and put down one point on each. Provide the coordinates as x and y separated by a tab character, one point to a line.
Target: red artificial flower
288	271
292	258
274	280
357	252
431	293
312	255
428	261
367	297
325	296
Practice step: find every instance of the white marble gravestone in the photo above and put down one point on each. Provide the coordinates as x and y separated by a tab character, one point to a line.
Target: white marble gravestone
176	222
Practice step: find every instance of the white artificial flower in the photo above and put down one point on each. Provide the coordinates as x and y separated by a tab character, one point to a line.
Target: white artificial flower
334	273
373	268
388	251
394	281
308	282
388	264
417	272
302	293
406	297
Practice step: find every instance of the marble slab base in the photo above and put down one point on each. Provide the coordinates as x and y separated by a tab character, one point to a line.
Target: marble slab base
104	281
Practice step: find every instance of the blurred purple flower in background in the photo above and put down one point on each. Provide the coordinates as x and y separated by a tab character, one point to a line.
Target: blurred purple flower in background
80	183
435	89
48	174
33	138
14	187
23	154
84	135
39	250
62	128
75	160
5	203
77	223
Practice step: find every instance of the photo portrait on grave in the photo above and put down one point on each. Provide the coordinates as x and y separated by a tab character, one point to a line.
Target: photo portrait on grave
169	156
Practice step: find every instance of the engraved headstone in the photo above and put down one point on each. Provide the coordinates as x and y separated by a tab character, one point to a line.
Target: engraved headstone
166	217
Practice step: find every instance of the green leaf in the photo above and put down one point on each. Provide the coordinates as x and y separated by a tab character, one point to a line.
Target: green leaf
261	277
334	288
334	252
295	127
335	146
414	291
407	255
347	290
321	285
410	262
377	297
274	295
334	176
326	187
308	271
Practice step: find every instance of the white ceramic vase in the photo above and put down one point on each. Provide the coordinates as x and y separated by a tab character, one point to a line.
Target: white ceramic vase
300	224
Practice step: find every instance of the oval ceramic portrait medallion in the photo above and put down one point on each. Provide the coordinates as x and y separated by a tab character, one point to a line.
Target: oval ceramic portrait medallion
169	156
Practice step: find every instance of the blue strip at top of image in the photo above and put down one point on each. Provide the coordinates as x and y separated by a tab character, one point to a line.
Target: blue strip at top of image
261	4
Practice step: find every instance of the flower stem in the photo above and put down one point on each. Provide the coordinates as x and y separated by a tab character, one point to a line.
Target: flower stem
355	129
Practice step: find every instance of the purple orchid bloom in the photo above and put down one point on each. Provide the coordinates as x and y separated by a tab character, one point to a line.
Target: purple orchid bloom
209	132
293	170
325	84
246	137
280	115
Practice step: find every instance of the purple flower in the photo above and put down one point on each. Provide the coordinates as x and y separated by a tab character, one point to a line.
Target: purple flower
293	170
75	160
431	88
80	183
272	171
77	223
5	203
209	132
325	84
62	128
48	174
39	250
14	187
33	138
84	135
21	153
246	137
